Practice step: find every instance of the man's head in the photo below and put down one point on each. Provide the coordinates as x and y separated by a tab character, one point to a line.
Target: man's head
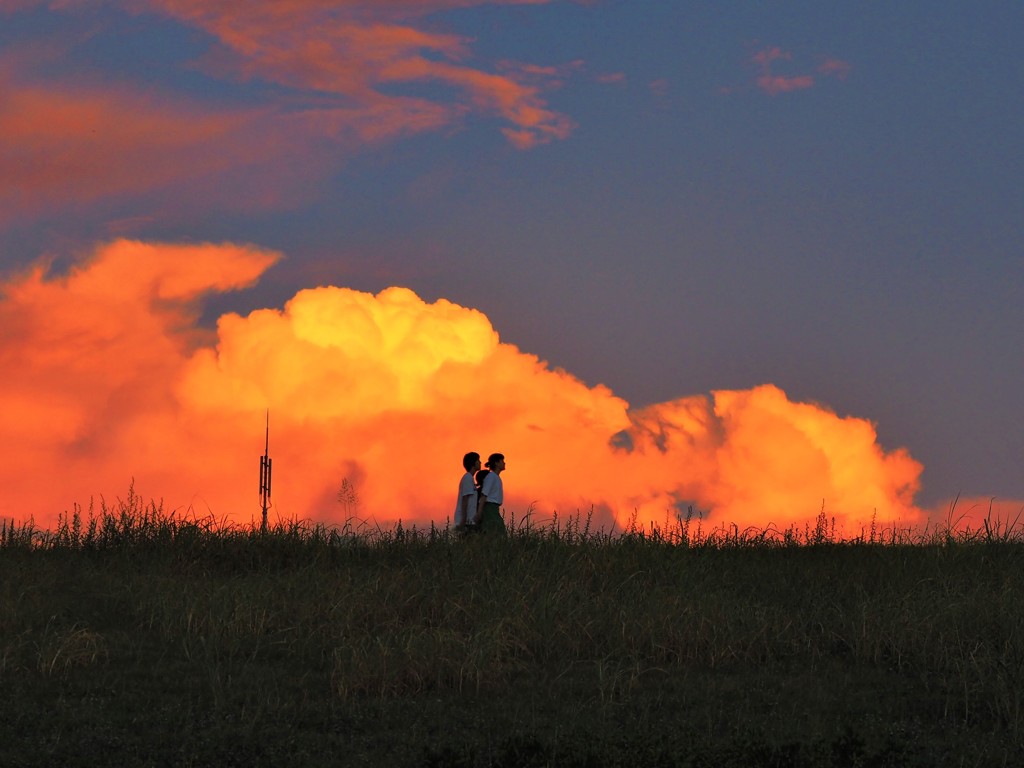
496	462
471	461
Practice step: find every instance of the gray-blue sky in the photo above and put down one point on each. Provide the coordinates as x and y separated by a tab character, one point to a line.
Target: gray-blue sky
855	239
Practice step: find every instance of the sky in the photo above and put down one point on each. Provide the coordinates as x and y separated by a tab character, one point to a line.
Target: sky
758	260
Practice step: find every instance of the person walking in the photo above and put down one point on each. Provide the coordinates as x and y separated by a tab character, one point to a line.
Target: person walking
492	496
466	504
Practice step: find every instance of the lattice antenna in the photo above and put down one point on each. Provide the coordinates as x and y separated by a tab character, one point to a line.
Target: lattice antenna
265	467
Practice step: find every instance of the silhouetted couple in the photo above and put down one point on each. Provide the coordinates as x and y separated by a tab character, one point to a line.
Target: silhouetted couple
481	495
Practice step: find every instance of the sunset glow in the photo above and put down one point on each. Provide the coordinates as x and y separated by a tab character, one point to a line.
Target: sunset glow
750	266
112	381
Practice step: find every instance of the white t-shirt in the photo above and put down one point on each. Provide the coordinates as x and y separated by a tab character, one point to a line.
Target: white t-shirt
466	488
493	489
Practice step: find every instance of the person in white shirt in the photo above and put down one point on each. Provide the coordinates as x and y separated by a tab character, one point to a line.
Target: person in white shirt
492	496
465	505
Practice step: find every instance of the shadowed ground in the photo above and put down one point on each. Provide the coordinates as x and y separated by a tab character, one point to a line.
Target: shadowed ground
140	639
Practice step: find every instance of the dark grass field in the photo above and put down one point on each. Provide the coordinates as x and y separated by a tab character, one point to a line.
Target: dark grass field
134	638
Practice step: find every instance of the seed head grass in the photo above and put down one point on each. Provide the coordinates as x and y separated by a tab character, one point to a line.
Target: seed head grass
134	636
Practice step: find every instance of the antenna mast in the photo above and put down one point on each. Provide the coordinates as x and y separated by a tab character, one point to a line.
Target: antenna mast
265	465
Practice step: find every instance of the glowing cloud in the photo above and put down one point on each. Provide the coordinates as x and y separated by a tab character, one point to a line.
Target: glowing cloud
350	49
60	144
73	136
109	378
835	67
773	84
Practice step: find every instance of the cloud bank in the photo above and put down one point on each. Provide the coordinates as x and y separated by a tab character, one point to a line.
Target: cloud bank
109	378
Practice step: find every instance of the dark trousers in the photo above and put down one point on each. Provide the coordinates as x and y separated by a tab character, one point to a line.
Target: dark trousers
491	521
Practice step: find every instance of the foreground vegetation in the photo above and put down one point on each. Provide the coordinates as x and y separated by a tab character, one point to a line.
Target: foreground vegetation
130	637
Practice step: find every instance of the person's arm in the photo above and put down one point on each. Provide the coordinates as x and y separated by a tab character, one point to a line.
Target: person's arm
465	502
480	506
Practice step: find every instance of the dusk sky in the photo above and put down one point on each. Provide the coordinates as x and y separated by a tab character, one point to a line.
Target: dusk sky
659	200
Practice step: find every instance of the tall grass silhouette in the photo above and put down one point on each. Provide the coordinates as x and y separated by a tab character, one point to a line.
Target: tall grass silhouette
134	636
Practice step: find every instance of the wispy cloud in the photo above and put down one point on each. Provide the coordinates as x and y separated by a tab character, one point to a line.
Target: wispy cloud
356	50
835	68
774	83
345	73
61	144
659	87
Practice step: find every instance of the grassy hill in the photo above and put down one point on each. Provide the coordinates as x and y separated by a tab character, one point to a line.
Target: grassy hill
134	638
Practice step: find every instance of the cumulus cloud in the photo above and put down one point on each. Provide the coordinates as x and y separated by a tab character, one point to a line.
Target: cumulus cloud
108	378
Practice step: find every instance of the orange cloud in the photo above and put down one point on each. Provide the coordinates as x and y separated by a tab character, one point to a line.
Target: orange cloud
108	378
659	87
63	145
978	516
353	49
76	140
88	360
835	67
773	84
766	56
82	144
